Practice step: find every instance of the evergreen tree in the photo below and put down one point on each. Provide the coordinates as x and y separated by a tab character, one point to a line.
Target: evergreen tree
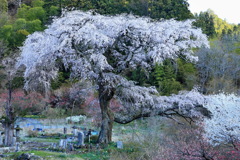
3	6
206	22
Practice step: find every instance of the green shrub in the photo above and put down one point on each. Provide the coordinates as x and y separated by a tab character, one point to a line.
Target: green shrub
94	139
54	11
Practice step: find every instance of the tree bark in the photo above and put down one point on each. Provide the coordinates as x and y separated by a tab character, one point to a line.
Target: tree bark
8	123
105	95
8	128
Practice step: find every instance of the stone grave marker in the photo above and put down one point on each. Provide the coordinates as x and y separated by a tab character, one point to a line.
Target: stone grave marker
54	145
1	139
65	143
80	139
71	148
14	140
64	130
120	144
74	131
61	143
17	147
89	133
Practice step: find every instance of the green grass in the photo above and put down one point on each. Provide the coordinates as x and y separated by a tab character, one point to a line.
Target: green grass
82	154
49	155
94	156
35	116
40	139
137	126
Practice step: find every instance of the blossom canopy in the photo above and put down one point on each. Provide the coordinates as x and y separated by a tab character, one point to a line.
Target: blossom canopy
89	44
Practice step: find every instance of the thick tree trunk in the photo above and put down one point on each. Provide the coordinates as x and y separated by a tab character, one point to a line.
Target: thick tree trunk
8	123
105	95
8	128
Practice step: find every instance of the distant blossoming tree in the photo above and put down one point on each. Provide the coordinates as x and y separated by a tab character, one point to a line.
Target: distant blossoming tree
224	126
102	49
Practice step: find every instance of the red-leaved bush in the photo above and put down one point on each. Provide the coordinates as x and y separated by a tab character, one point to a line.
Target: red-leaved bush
31	103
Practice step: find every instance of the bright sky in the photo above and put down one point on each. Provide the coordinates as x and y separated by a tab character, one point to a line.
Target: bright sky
225	9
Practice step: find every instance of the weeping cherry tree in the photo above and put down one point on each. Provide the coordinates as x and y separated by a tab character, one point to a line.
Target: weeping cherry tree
102	49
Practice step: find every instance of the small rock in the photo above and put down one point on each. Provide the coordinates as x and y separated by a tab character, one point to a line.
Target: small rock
120	144
36	158
24	156
27	156
4	155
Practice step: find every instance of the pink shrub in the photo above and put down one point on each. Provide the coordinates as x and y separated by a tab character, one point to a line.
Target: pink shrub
188	143
33	102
